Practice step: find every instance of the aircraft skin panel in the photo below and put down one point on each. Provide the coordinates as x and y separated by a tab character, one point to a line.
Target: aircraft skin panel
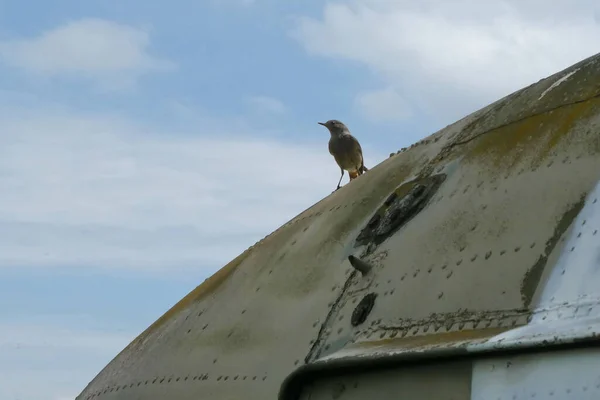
462	235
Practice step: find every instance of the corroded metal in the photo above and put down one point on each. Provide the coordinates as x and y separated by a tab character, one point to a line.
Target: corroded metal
482	239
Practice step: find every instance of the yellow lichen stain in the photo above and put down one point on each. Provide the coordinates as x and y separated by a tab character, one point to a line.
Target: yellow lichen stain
448	338
204	289
228	340
530	140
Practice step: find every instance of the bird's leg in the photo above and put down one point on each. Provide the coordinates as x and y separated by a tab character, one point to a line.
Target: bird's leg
338	185
353	175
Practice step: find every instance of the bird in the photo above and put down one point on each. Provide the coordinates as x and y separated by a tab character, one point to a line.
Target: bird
345	149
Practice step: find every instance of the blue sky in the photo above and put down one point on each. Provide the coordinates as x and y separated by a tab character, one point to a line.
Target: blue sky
146	144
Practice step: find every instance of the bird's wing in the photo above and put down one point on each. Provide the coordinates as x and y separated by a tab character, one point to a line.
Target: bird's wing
356	149
356	145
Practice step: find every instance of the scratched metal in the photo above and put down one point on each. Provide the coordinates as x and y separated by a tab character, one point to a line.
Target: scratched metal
567	302
559	376
517	173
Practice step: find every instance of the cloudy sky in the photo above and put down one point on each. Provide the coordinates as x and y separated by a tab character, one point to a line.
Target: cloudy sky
145	144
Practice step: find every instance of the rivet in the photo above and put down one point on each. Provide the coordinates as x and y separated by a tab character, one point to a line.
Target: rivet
189	330
579	235
444	266
488	255
517	249
474	258
416	273
596	231
532	245
572	248
583	223
449	275
215	361
502	252
440	295
459	262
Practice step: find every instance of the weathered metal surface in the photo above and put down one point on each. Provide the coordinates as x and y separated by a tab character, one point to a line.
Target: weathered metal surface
554	375
474	265
432	382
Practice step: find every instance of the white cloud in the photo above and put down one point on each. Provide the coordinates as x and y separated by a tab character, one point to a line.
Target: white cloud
100	191
439	51
60	359
266	104
383	105
115	54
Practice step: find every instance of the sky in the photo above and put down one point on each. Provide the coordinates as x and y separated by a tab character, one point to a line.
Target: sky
145	144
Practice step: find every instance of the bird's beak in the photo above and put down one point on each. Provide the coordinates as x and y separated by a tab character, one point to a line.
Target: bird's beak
321	123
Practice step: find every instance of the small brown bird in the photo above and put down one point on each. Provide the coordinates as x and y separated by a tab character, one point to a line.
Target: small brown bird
345	149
